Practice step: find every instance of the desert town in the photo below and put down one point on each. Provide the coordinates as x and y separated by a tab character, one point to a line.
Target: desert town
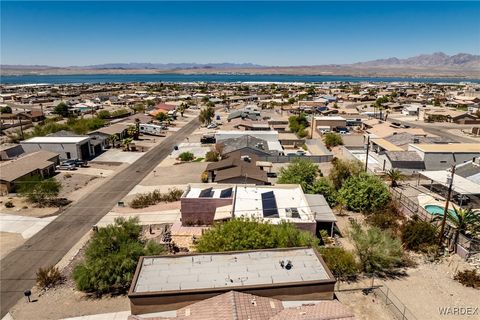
265	200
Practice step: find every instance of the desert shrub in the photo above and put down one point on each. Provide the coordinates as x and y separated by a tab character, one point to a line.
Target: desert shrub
103	114
249	234
418	234
48	277
212	156
149	199
377	250
469	278
9	204
297	124
385	220
325	237
38	190
186	156
332	139
324	187
204	176
341	262
344	169
111	258
364	193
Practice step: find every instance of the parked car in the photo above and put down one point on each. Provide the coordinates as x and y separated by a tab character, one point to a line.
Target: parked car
67	166
75	162
207	139
212	125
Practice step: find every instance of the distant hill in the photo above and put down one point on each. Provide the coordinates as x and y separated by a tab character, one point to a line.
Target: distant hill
437	59
462	65
170	66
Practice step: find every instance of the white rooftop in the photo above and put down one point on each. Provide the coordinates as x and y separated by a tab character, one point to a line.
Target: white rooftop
330	118
57	139
228	270
459	185
250	203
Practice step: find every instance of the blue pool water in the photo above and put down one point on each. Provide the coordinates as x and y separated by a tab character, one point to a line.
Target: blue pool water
438	210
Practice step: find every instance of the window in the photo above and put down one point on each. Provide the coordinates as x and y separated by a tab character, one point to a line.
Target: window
69	156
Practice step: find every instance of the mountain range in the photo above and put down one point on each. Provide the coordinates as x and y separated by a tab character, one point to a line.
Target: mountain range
436	64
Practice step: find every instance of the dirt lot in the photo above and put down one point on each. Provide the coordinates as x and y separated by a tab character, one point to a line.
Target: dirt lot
23	208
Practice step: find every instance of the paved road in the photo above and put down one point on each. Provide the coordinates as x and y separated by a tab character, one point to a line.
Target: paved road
439	129
49	245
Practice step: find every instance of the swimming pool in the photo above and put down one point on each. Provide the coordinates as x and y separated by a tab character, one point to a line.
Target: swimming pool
438	210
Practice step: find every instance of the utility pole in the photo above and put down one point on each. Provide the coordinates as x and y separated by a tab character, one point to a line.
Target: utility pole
368	149
311	125
445	212
21	127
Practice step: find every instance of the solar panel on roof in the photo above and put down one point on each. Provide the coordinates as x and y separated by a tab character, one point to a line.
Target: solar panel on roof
226	193
206	193
269	205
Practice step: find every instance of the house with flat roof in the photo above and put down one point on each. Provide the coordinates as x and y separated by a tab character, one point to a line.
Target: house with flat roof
203	204
442	156
332	122
68	147
13	172
289	274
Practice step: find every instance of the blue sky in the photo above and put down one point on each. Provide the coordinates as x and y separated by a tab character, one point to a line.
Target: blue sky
267	33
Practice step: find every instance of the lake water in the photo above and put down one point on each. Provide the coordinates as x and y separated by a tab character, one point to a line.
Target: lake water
124	78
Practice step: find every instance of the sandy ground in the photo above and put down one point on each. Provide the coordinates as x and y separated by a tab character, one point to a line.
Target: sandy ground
430	286
365	307
23	208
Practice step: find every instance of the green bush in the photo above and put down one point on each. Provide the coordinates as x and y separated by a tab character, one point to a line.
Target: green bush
212	156
377	250
299	171
324	187
38	190
469	278
332	139
204	176
297	124
344	169
103	114
152	198
418	234
364	193
5	109
186	156
48	277
111	258
341	262
249	234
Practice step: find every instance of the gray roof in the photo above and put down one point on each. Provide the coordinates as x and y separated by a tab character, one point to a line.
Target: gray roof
245	141
320	208
228	270
403	138
467	169
403	156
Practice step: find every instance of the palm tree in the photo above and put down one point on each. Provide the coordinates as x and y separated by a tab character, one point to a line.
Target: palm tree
206	115
465	220
394	175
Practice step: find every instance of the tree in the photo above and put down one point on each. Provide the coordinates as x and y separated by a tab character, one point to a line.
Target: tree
138	107
299	171
344	169
377	250
182	108
61	109
248	234
332	139
5	109
297	124
394	175
364	193
111	257
39	190
161	116
324	187
464	220
418	235
206	115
